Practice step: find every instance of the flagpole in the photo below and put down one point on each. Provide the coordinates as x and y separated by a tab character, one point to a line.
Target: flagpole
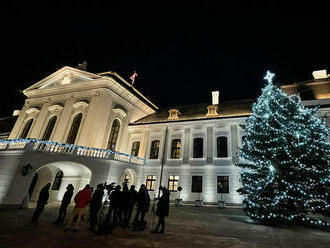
163	161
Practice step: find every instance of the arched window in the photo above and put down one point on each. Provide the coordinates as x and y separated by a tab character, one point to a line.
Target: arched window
135	148
114	135
154	149
49	129
198	148
222	147
57	180
26	129
175	149
74	129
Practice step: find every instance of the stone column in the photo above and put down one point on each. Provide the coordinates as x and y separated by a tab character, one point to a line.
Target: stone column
40	120
62	125
18	124
94	125
186	149
234	143
209	148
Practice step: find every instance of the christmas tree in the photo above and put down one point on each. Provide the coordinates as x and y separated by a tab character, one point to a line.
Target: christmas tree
284	160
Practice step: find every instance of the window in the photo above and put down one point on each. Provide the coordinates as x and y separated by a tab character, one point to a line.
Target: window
26	129
113	135
173	183
175	150
223	184
222	147
197	184
57	180
74	129
151	182
49	129
198	148
135	148
154	149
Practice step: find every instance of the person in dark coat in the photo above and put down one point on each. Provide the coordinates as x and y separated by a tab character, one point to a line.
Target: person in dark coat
143	202
124	205
65	203
95	206
163	208
42	201
132	197
115	201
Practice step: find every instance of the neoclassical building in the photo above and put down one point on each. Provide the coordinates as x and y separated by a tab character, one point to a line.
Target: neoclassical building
79	127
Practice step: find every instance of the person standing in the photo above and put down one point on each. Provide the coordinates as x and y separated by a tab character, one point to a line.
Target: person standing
162	211
132	197
82	199
115	201
124	206
42	201
143	202
95	207
64	204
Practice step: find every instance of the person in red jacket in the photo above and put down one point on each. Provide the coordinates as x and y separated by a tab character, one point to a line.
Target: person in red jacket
82	199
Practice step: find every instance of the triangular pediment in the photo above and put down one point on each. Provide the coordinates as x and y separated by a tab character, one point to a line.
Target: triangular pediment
63	77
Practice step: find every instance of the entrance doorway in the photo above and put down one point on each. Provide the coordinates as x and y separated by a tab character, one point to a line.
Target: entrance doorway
59	174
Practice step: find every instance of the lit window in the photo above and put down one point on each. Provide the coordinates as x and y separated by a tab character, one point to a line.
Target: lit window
74	129
49	129
113	135
154	149
173	183
135	148
223	184
151	182
26	129
198	148
175	150
222	147
57	180
197	184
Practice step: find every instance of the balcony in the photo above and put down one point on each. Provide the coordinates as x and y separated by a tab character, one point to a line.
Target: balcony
55	147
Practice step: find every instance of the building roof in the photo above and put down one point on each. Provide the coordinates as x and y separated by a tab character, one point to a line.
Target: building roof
227	109
7	124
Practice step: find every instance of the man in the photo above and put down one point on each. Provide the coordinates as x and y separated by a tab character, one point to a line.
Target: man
162	211
115	202
143	202
132	197
95	207
82	199
65	203
42	201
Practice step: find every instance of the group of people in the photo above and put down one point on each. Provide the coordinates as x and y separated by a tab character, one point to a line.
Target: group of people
120	202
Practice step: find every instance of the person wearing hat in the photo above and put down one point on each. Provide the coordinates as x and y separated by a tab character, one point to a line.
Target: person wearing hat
64	204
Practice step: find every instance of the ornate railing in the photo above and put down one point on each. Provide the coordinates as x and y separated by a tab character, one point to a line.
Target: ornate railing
55	147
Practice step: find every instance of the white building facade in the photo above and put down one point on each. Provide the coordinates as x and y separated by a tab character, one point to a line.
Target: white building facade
78	127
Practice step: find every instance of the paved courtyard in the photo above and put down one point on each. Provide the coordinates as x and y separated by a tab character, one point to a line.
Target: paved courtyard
187	227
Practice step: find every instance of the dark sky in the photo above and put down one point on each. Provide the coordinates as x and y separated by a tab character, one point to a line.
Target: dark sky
181	51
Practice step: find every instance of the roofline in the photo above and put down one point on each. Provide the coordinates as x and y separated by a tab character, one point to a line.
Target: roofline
307	83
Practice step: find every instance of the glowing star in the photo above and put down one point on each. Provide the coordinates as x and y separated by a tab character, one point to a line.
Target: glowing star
269	77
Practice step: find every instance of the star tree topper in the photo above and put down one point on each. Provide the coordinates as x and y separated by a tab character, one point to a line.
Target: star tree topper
269	76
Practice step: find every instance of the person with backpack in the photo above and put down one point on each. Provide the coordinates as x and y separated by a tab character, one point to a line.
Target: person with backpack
82	199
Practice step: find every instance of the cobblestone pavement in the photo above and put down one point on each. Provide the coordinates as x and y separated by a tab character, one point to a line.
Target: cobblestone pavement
187	227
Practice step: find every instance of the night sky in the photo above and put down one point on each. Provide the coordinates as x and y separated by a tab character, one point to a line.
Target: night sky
180	51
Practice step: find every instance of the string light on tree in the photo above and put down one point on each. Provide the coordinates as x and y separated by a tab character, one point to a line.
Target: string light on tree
284	160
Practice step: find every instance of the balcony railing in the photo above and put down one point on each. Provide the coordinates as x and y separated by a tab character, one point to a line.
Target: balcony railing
55	147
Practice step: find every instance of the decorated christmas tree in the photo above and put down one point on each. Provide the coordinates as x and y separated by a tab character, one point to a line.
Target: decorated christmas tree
284	160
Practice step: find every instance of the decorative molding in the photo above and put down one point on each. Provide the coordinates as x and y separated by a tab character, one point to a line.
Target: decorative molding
32	112
97	93
212	110
173	114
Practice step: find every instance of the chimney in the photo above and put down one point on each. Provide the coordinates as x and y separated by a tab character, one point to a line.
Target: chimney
212	110
321	74
215	97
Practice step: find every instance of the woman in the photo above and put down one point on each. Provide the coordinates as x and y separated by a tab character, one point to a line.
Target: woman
162	211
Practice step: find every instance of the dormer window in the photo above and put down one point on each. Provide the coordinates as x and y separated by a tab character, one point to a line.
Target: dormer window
212	110
173	114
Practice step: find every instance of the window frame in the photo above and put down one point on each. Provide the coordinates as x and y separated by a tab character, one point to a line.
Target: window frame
192	184
151	182
217	184
174	150
72	126
172	180
201	153
135	148
152	149
114	134
26	131
218	151
48	127
58	180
